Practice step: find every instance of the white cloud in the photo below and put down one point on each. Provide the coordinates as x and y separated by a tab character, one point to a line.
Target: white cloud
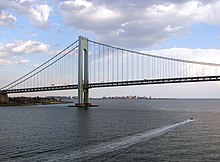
23	61
36	65
20	47
15	52
202	55
38	12
5	62
57	27
173	29
32	34
87	16
6	19
138	24
99	12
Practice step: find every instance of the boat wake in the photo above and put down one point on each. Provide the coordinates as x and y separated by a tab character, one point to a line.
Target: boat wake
119	144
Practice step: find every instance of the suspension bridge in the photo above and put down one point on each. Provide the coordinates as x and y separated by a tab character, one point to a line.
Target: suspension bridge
86	64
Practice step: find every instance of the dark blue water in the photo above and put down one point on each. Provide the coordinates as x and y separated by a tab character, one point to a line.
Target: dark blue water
118	130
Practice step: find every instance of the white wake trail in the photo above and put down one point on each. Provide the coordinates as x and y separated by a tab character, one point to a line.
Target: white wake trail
119	144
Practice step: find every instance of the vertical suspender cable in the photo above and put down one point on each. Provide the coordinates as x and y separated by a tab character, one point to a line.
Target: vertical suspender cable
113	60
127	66
122	64
99	68
103	51
93	60
108	63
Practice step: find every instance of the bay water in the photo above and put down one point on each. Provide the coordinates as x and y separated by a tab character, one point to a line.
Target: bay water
117	130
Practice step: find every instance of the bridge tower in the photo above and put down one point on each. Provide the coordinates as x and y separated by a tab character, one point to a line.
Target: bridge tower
83	73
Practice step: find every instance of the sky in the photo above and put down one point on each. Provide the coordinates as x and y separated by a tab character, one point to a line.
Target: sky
31	31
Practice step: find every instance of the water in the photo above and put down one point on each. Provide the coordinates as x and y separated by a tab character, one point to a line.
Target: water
118	130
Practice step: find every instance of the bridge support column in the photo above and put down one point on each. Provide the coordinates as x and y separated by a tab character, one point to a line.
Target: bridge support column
4	98
83	73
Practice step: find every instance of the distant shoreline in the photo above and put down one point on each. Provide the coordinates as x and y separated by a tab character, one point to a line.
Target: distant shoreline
32	104
28	101
157	99
45	101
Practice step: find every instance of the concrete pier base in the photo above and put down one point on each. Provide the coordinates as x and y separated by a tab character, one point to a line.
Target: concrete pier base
83	105
4	98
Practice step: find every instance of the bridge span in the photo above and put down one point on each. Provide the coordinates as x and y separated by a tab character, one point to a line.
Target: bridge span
116	84
87	64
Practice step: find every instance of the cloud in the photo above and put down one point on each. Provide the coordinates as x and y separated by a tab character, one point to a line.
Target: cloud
23	61
3	4
173	29
57	27
202	55
5	62
38	12
32	34
18	60
14	52
87	15
138	23
6	19
36	65
20	47
2	33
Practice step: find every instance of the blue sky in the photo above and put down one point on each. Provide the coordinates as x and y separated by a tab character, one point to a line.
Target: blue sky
31	31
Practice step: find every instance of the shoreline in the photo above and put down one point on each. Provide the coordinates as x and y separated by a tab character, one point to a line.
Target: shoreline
32	104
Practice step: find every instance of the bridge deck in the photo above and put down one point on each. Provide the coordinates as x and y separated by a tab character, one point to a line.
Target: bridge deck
120	83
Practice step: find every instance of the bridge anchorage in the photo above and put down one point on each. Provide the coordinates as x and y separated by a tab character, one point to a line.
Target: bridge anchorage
4	98
87	64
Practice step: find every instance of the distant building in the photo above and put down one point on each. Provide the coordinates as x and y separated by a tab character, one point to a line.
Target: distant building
127	97
62	98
